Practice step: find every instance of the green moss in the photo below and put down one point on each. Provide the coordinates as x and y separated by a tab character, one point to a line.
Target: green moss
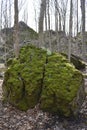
23	80
37	76
61	84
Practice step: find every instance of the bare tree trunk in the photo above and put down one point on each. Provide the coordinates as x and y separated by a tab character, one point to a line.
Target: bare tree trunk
45	19
5	26
58	13
64	25
1	14
16	38
48	16
46	24
48	11
59	22
56	17
4	23
83	28
70	20
42	14
41	20
10	13
70	30
77	16
83	14
56	25
63	12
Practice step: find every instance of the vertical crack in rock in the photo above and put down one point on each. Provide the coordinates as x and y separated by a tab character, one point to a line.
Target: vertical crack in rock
43	77
23	87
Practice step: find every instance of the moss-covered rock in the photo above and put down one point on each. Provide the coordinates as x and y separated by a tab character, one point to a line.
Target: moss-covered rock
60	89
23	79
49	79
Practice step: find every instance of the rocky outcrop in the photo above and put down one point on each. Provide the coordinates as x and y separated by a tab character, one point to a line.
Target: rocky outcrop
45	78
6	39
25	32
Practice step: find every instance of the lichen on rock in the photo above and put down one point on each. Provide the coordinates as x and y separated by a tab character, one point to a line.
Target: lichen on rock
50	80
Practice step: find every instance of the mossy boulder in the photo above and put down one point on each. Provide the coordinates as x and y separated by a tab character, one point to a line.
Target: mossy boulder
23	79
62	88
48	79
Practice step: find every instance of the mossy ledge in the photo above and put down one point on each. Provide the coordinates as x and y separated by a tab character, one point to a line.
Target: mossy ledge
50	80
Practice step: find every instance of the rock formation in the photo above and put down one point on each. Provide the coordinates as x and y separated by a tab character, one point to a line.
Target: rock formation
45	78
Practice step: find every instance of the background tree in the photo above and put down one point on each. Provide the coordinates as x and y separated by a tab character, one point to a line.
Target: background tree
70	29
83	28
63	12
16	38
41	21
77	16
5	22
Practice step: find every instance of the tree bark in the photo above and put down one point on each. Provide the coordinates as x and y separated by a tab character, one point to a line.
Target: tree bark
16	37
42	14
77	16
70	30
59	22
49	31
41	21
83	28
56	19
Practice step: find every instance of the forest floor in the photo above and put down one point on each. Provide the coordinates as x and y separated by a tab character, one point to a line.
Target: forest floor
34	119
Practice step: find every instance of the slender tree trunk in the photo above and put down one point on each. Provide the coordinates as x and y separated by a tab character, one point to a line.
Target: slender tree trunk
56	17
77	16
1	14
59	14
63	10
64	25
56	25
42	14
41	21
70	20
46	24
70	30
16	37
48	5
5	26
83	14
83	28
59	22
46	18
10	13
